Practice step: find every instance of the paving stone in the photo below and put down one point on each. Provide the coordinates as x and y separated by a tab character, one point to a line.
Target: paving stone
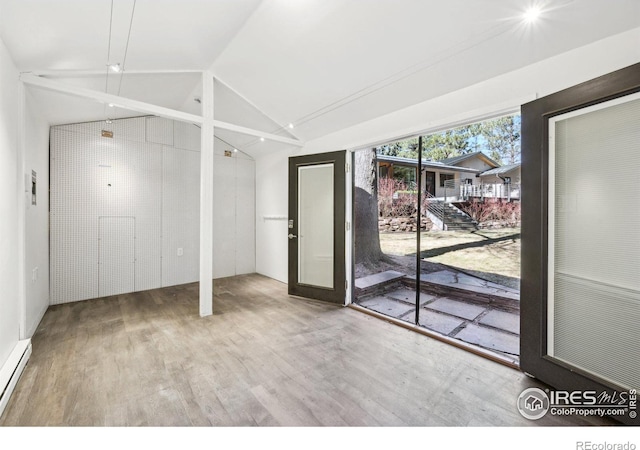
442	323
503	320
409	296
463	281
378	278
456	308
386	306
490	338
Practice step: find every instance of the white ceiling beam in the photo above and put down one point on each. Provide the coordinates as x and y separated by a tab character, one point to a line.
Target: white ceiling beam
254	106
148	108
120	102
94	73
252	132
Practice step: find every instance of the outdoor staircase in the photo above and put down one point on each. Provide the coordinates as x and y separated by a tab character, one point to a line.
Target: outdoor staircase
448	217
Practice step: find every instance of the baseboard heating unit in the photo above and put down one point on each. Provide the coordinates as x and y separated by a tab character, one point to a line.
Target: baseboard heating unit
11	371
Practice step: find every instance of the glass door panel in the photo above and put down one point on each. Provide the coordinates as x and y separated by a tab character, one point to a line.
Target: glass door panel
315	225
594	240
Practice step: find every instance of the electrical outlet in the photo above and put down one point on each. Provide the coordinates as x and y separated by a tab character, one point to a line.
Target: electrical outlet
180	251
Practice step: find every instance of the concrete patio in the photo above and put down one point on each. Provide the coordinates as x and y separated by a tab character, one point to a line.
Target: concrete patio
452	303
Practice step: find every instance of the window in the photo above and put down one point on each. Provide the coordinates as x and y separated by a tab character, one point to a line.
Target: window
405	174
444	177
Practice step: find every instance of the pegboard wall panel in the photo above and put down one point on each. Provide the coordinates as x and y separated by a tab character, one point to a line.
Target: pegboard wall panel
224	217
159	130
180	216
93	177
74	213
245	216
157	187
234	216
126	129
116	255
186	136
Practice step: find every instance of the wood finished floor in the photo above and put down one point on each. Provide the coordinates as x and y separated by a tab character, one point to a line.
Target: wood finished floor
263	358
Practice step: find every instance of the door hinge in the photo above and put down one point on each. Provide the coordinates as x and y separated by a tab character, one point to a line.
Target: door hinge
346	285
347	226
347	167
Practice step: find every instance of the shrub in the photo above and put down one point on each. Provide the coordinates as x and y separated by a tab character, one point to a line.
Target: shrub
504	213
395	198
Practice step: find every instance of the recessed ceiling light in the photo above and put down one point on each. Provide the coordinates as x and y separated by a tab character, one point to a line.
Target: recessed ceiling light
115	67
290	125
532	14
235	150
111	105
261	139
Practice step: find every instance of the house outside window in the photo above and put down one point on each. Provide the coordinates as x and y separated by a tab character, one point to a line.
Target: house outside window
405	174
444	177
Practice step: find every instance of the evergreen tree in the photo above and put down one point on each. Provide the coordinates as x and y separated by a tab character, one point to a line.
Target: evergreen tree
502	137
497	138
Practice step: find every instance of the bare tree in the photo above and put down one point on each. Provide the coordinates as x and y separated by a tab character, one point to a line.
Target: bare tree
367	236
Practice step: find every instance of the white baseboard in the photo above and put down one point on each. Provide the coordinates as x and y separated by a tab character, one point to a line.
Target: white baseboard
11	371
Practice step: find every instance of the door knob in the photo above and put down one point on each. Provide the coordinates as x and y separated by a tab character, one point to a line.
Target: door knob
292	236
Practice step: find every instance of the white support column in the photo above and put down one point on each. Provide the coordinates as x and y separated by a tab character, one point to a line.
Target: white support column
206	197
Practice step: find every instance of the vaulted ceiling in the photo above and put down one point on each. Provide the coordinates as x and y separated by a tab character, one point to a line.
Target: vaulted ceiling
321	65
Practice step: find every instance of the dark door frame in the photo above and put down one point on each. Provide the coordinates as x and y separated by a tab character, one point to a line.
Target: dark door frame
534	358
430	188
337	293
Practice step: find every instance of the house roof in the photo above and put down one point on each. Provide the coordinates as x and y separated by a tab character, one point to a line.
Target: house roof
501	170
458	159
425	163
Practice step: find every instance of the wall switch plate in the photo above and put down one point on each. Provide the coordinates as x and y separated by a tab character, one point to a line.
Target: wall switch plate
180	251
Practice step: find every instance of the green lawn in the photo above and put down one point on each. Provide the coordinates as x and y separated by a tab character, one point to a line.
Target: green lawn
490	254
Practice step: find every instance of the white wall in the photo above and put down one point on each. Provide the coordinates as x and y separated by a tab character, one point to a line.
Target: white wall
10	302
36	157
146	180
496	96
272	174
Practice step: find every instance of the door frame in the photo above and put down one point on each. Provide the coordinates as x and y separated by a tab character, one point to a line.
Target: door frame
337	294
426	182
534	358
